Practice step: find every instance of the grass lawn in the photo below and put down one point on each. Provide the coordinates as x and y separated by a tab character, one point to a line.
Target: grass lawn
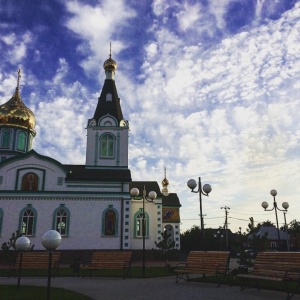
10	292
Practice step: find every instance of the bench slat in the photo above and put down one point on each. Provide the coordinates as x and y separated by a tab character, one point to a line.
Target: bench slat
204	263
110	260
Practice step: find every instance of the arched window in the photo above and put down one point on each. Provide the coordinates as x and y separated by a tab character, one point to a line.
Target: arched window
107	146
28	218
30	182
1	220
139	226
21	141
5	142
61	220
110	222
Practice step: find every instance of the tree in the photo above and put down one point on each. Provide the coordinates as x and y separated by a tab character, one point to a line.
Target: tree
258	243
294	232
165	244
190	239
12	241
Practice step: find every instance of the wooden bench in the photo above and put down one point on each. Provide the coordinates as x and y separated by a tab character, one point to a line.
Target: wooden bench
275	266
109	260
36	260
205	263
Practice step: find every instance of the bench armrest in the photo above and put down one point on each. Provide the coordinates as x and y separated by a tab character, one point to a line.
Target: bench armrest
181	266
222	270
292	275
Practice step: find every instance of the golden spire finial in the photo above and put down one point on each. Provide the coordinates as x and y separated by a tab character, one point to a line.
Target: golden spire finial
110	50
19	76
165	184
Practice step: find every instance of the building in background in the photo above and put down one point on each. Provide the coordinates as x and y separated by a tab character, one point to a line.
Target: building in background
90	205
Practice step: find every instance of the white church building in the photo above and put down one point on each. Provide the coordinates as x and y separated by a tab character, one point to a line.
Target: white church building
90	205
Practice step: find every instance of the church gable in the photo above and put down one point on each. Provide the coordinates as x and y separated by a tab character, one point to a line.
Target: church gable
31	173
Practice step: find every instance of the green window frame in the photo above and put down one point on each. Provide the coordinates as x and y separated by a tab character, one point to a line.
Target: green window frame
110	221
138	221
21	141
107	146
28	219
5	141
1	219
61	220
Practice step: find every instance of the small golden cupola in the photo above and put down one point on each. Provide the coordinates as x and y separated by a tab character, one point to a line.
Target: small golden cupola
165	184
110	67
16	113
17	126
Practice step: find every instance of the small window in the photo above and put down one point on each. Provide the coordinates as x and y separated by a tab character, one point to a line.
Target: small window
60	180
61	220
21	141
30	182
108	97
28	221
140	227
107	145
5	142
110	221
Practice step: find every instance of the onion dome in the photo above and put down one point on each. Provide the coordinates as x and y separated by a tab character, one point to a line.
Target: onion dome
110	65
16	113
165	184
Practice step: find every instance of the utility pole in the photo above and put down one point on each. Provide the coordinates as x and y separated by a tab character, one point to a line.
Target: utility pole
226	224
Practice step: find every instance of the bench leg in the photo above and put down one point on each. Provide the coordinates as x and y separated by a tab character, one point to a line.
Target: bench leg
290	293
221	278
182	276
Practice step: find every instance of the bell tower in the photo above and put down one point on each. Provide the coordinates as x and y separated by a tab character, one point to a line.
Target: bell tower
107	131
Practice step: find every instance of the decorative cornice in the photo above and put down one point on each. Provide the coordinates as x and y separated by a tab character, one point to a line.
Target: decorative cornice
47	198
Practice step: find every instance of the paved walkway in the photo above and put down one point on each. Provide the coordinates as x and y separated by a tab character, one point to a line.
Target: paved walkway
163	288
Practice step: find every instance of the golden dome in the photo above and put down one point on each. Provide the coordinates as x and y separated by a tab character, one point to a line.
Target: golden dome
16	113
165	182
110	64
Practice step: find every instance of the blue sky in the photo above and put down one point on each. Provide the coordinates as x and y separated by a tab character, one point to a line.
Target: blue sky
210	88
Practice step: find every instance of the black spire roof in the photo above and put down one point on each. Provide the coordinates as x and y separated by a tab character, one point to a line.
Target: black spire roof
111	107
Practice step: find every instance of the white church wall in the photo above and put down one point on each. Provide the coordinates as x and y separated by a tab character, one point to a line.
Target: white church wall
85	230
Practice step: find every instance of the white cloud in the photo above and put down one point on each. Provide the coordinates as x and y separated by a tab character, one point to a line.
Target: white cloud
227	113
188	16
18	46
96	26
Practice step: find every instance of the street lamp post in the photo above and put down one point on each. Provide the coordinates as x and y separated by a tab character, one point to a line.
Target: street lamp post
50	241
205	190
220	237
285	206
286	231
22	244
150	198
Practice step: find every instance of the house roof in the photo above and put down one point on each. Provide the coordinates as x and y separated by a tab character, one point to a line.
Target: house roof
272	233
170	200
149	186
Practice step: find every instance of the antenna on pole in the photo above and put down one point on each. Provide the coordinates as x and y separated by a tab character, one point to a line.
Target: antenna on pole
226	223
